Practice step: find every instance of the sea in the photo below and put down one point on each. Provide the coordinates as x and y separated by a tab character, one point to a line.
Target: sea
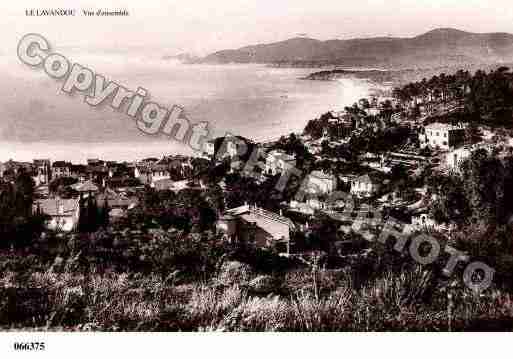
263	103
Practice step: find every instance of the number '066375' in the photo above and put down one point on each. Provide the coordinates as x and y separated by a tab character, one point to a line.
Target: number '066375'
33	346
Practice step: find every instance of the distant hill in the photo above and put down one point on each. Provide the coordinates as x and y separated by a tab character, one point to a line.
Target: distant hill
435	48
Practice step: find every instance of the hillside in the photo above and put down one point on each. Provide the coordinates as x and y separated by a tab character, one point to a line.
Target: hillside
434	48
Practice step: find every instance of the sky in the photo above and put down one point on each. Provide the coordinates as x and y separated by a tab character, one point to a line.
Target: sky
204	26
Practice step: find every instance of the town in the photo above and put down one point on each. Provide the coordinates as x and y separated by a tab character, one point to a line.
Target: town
437	156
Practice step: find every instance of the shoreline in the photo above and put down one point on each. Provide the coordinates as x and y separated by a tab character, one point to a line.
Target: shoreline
79	152
351	90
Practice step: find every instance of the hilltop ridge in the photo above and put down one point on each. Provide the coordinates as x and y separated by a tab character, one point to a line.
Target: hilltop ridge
441	46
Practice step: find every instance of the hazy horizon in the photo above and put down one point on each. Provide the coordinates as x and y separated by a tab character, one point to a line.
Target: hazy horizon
200	28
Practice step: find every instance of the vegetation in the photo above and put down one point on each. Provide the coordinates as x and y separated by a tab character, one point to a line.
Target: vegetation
19	224
483	98
172	281
482	194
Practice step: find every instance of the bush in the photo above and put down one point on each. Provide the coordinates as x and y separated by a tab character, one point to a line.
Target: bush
234	273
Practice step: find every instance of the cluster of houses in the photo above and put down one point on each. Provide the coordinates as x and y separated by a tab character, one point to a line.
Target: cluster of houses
250	221
448	148
117	184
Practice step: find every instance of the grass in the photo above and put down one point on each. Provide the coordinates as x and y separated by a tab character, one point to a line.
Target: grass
177	289
112	302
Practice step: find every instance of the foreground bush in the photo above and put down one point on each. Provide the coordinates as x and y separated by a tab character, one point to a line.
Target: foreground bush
408	300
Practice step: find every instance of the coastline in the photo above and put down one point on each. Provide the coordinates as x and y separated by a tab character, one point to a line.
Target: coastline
292	119
79	152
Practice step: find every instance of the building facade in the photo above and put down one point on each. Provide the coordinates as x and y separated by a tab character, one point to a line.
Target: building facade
63	214
365	186
257	227
42	172
443	136
321	183
277	162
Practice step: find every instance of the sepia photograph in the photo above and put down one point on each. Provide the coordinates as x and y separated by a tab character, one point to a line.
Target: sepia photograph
254	167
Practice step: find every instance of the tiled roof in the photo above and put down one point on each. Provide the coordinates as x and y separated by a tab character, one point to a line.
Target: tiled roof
248	212
322	175
53	206
279	155
61	164
39	162
269	222
442	127
88	186
117	201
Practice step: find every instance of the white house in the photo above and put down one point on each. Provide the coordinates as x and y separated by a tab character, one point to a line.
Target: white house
149	174
209	147
42	172
442	135
322	183
277	161
61	169
456	157
63	214
366	185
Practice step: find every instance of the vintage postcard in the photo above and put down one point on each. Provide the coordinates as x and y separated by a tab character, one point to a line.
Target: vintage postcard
254	166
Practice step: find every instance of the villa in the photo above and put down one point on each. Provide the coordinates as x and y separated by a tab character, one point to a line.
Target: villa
42	172
456	157
61	169
322	183
63	214
442	135
258	227
367	185
277	162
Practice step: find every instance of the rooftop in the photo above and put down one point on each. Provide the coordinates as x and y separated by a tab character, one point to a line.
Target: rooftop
88	186
322	175
57	207
282	155
259	215
437	126
61	164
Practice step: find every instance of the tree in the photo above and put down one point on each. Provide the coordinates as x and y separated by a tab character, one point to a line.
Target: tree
90	219
19	224
452	205
61	186
484	180
473	134
104	214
